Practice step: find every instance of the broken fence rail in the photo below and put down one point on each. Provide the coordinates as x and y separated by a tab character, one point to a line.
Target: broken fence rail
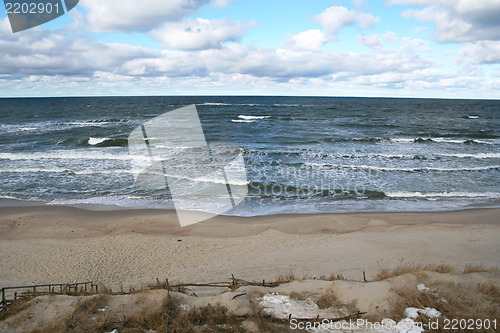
37	289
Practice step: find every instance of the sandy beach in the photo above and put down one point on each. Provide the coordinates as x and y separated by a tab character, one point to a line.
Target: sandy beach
134	247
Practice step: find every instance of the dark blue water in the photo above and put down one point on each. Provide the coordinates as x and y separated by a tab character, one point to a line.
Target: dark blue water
301	154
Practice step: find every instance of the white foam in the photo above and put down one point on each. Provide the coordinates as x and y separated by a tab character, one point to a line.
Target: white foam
377	168
478	155
405	194
90	123
473	117
242	121
403	140
66	170
242	116
95	141
208	103
445	140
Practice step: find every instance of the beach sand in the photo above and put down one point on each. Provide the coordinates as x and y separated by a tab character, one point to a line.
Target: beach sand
134	247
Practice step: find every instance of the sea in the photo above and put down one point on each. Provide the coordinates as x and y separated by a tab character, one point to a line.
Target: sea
301	154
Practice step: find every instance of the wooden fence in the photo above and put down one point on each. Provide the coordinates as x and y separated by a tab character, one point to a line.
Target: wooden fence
11	294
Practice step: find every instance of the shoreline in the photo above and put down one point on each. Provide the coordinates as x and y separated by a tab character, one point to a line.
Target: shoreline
164	222
133	247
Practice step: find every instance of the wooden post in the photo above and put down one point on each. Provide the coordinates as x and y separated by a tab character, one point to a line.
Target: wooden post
364	276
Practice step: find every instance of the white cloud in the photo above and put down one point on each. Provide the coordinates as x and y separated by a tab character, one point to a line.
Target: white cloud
310	40
372	41
332	20
458	20
200	34
482	52
391	37
220	3
132	15
336	17
40	52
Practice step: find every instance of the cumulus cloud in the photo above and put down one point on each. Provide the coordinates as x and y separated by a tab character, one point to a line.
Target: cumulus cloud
372	41
336	17
310	40
283	64
132	15
332	20
459	20
482	52
41	52
200	34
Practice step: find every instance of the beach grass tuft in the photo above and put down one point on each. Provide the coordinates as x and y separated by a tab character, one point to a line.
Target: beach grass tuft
415	269
479	269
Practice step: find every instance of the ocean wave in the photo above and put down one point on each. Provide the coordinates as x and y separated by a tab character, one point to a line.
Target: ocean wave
95	141
242	116
416	194
243	121
107	142
211	103
488	141
66	171
418	169
90	154
287	191
478	155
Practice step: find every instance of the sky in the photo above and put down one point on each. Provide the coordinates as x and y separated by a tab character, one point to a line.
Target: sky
367	48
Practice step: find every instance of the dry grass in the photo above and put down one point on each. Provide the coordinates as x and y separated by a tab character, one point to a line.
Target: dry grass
16	307
415	269
327	300
290	276
332	277
286	277
479	269
80	319
454	301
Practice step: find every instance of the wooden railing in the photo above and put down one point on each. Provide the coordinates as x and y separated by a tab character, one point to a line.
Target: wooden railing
10	294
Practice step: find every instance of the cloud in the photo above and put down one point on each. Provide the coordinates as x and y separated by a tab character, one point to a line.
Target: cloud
372	41
310	40
221	3
336	17
200	34
459	20
482	52
41	52
332	20
391	37
132	15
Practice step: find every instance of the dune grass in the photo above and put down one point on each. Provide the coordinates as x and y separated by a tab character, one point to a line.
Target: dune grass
415	269
451	299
